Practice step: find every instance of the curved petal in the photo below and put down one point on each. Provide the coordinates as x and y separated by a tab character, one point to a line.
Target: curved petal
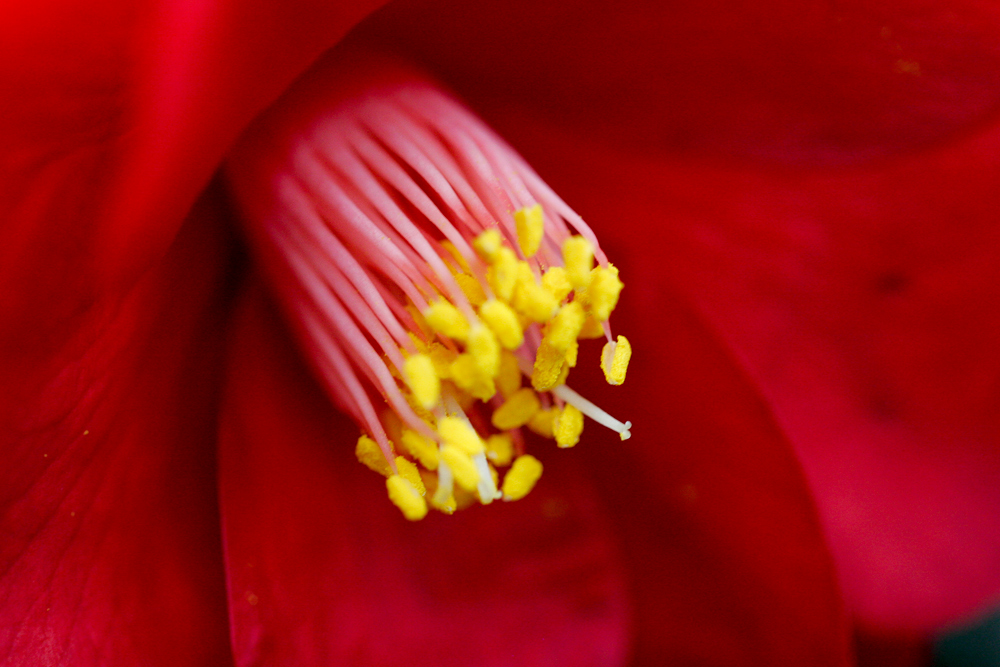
115	115
728	557
110	552
324	570
780	81
859	301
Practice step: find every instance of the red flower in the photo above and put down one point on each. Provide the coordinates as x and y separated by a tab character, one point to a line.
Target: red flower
801	199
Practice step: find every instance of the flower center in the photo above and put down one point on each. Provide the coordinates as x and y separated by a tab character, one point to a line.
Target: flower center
440	288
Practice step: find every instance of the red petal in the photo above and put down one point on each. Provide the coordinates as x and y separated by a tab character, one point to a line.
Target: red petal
115	116
110	552
324	570
728	559
786	81
861	301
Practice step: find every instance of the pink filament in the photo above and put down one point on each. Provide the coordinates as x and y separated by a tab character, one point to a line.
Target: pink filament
356	218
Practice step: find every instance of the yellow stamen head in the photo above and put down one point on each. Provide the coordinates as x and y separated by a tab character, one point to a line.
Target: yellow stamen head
461	466
568	426
485	350
500	449
369	453
517	410
411	474
557	283
502	274
521	477
422	379
603	291
530	229
578	256
488	244
404	496
456	432
614	360
564	328
420	448
445	319
502	320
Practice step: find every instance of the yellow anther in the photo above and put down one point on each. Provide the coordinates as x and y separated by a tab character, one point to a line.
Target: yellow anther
521	477
404	496
410	473
549	363
568	426
603	291
500	449
508	380
456	432
459	258
614	360
543	422
422	379
531	299
502	320
517	410
556	283
466	374
578	257
571	355
530	225
471	288
488	244
485	349
591	328
423	449
369	453
441	357
447	320
461	467
502	274
564	328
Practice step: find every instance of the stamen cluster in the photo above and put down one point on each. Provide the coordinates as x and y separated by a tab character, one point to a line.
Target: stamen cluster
424	262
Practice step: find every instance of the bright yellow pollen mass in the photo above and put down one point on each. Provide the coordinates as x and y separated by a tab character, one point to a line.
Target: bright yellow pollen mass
543	421
423	449
502	274
404	496
502	320
471	288
500	449
531	299
521	477
549	363
517	410
485	349
465	372
564	328
369	453
603	291
556	283
508	380
409	472
488	244
447	320
568	426
461	466
422	379
530	223
456	432
578	257
614	360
